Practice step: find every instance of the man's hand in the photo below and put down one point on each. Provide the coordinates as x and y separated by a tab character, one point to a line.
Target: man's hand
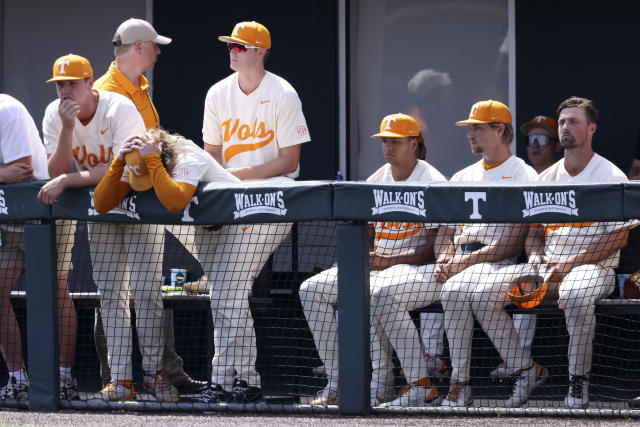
377	262
240	173
50	192
68	109
16	172
446	268
559	269
147	146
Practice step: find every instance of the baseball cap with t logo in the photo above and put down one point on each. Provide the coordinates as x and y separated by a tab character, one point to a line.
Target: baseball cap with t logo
487	112
71	67
250	34
139	178
398	126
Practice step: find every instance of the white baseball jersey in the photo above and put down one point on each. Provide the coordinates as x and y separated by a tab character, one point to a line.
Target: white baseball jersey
511	170
95	144
395	237
252	128
194	165
19	137
564	240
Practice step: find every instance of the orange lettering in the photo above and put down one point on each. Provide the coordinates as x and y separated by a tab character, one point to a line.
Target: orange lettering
229	133
244	133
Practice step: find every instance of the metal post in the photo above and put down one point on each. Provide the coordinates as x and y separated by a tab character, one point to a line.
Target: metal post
42	317
354	386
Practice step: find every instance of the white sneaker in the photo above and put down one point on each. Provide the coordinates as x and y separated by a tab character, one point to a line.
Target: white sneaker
436	366
326	396
526	381
502	372
383	387
459	395
158	384
417	395
69	389
14	390
578	396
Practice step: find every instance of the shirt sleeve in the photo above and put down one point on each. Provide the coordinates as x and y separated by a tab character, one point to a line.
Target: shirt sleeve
291	127
16	130
211	133
128	123
51	127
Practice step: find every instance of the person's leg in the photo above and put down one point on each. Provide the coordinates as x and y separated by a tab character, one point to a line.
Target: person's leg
578	293
525	324
102	350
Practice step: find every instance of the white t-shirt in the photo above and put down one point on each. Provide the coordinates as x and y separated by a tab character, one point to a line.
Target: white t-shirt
253	128
194	165
96	143
511	170
564	240
395	237
19	137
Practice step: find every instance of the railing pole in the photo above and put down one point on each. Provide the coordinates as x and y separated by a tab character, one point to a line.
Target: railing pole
353	319
42	317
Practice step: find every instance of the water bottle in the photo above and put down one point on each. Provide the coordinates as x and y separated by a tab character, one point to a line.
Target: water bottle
339	177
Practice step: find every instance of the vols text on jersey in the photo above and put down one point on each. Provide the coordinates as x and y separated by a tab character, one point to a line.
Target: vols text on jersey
92	159
398	201
242	131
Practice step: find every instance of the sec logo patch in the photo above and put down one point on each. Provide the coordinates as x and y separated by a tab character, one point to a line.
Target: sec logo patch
301	130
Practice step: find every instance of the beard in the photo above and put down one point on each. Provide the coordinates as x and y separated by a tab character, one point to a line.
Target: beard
476	149
568	141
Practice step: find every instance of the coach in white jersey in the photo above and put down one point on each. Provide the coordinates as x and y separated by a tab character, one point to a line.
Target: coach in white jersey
472	249
576	258
87	127
397	251
253	126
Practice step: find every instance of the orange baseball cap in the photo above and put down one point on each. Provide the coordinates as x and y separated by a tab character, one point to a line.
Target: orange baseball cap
71	67
398	126
249	33
139	178
545	122
487	112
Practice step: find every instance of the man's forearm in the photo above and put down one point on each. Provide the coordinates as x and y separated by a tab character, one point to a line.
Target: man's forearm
606	246
85	178
505	247
61	160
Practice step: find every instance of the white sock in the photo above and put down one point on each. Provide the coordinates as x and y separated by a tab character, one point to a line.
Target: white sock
20	376
65	373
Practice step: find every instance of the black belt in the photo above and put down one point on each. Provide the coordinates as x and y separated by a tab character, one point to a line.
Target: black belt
471	247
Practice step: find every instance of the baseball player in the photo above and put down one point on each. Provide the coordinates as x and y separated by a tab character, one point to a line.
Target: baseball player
254	127
136	48
543	147
398	252
22	159
577	258
86	127
474	250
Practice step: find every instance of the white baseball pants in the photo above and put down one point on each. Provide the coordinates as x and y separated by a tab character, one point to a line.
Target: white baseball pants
319	298
232	257
403	288
128	258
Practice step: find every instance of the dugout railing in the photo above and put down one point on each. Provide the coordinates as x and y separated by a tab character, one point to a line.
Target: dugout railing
349	205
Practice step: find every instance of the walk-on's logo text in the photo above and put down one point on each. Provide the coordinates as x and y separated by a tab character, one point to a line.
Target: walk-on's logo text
259	203
126	207
3	204
398	201
549	202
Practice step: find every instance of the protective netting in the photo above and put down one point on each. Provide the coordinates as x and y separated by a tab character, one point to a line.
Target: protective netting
209	315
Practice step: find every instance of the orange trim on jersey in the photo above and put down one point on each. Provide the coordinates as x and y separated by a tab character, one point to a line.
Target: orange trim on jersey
548	228
487	167
234	150
400	235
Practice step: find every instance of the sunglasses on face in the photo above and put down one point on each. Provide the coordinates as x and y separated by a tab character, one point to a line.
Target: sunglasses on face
542	140
237	47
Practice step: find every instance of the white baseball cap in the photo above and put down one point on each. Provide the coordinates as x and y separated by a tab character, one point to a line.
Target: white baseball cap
137	30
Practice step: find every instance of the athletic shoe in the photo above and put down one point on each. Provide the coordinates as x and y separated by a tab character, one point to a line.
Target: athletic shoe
634	403
502	372
459	395
215	394
526	381
382	391
418	393
326	396
158	384
436	366
189	386
121	390
69	389
14	390
244	393
578	397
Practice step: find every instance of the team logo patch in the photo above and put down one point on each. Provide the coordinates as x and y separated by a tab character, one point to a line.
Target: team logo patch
302	130
259	203
127	207
549	202
398	201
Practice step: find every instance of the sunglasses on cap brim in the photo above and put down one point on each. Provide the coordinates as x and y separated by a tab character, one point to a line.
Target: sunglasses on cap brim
239	47
542	140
